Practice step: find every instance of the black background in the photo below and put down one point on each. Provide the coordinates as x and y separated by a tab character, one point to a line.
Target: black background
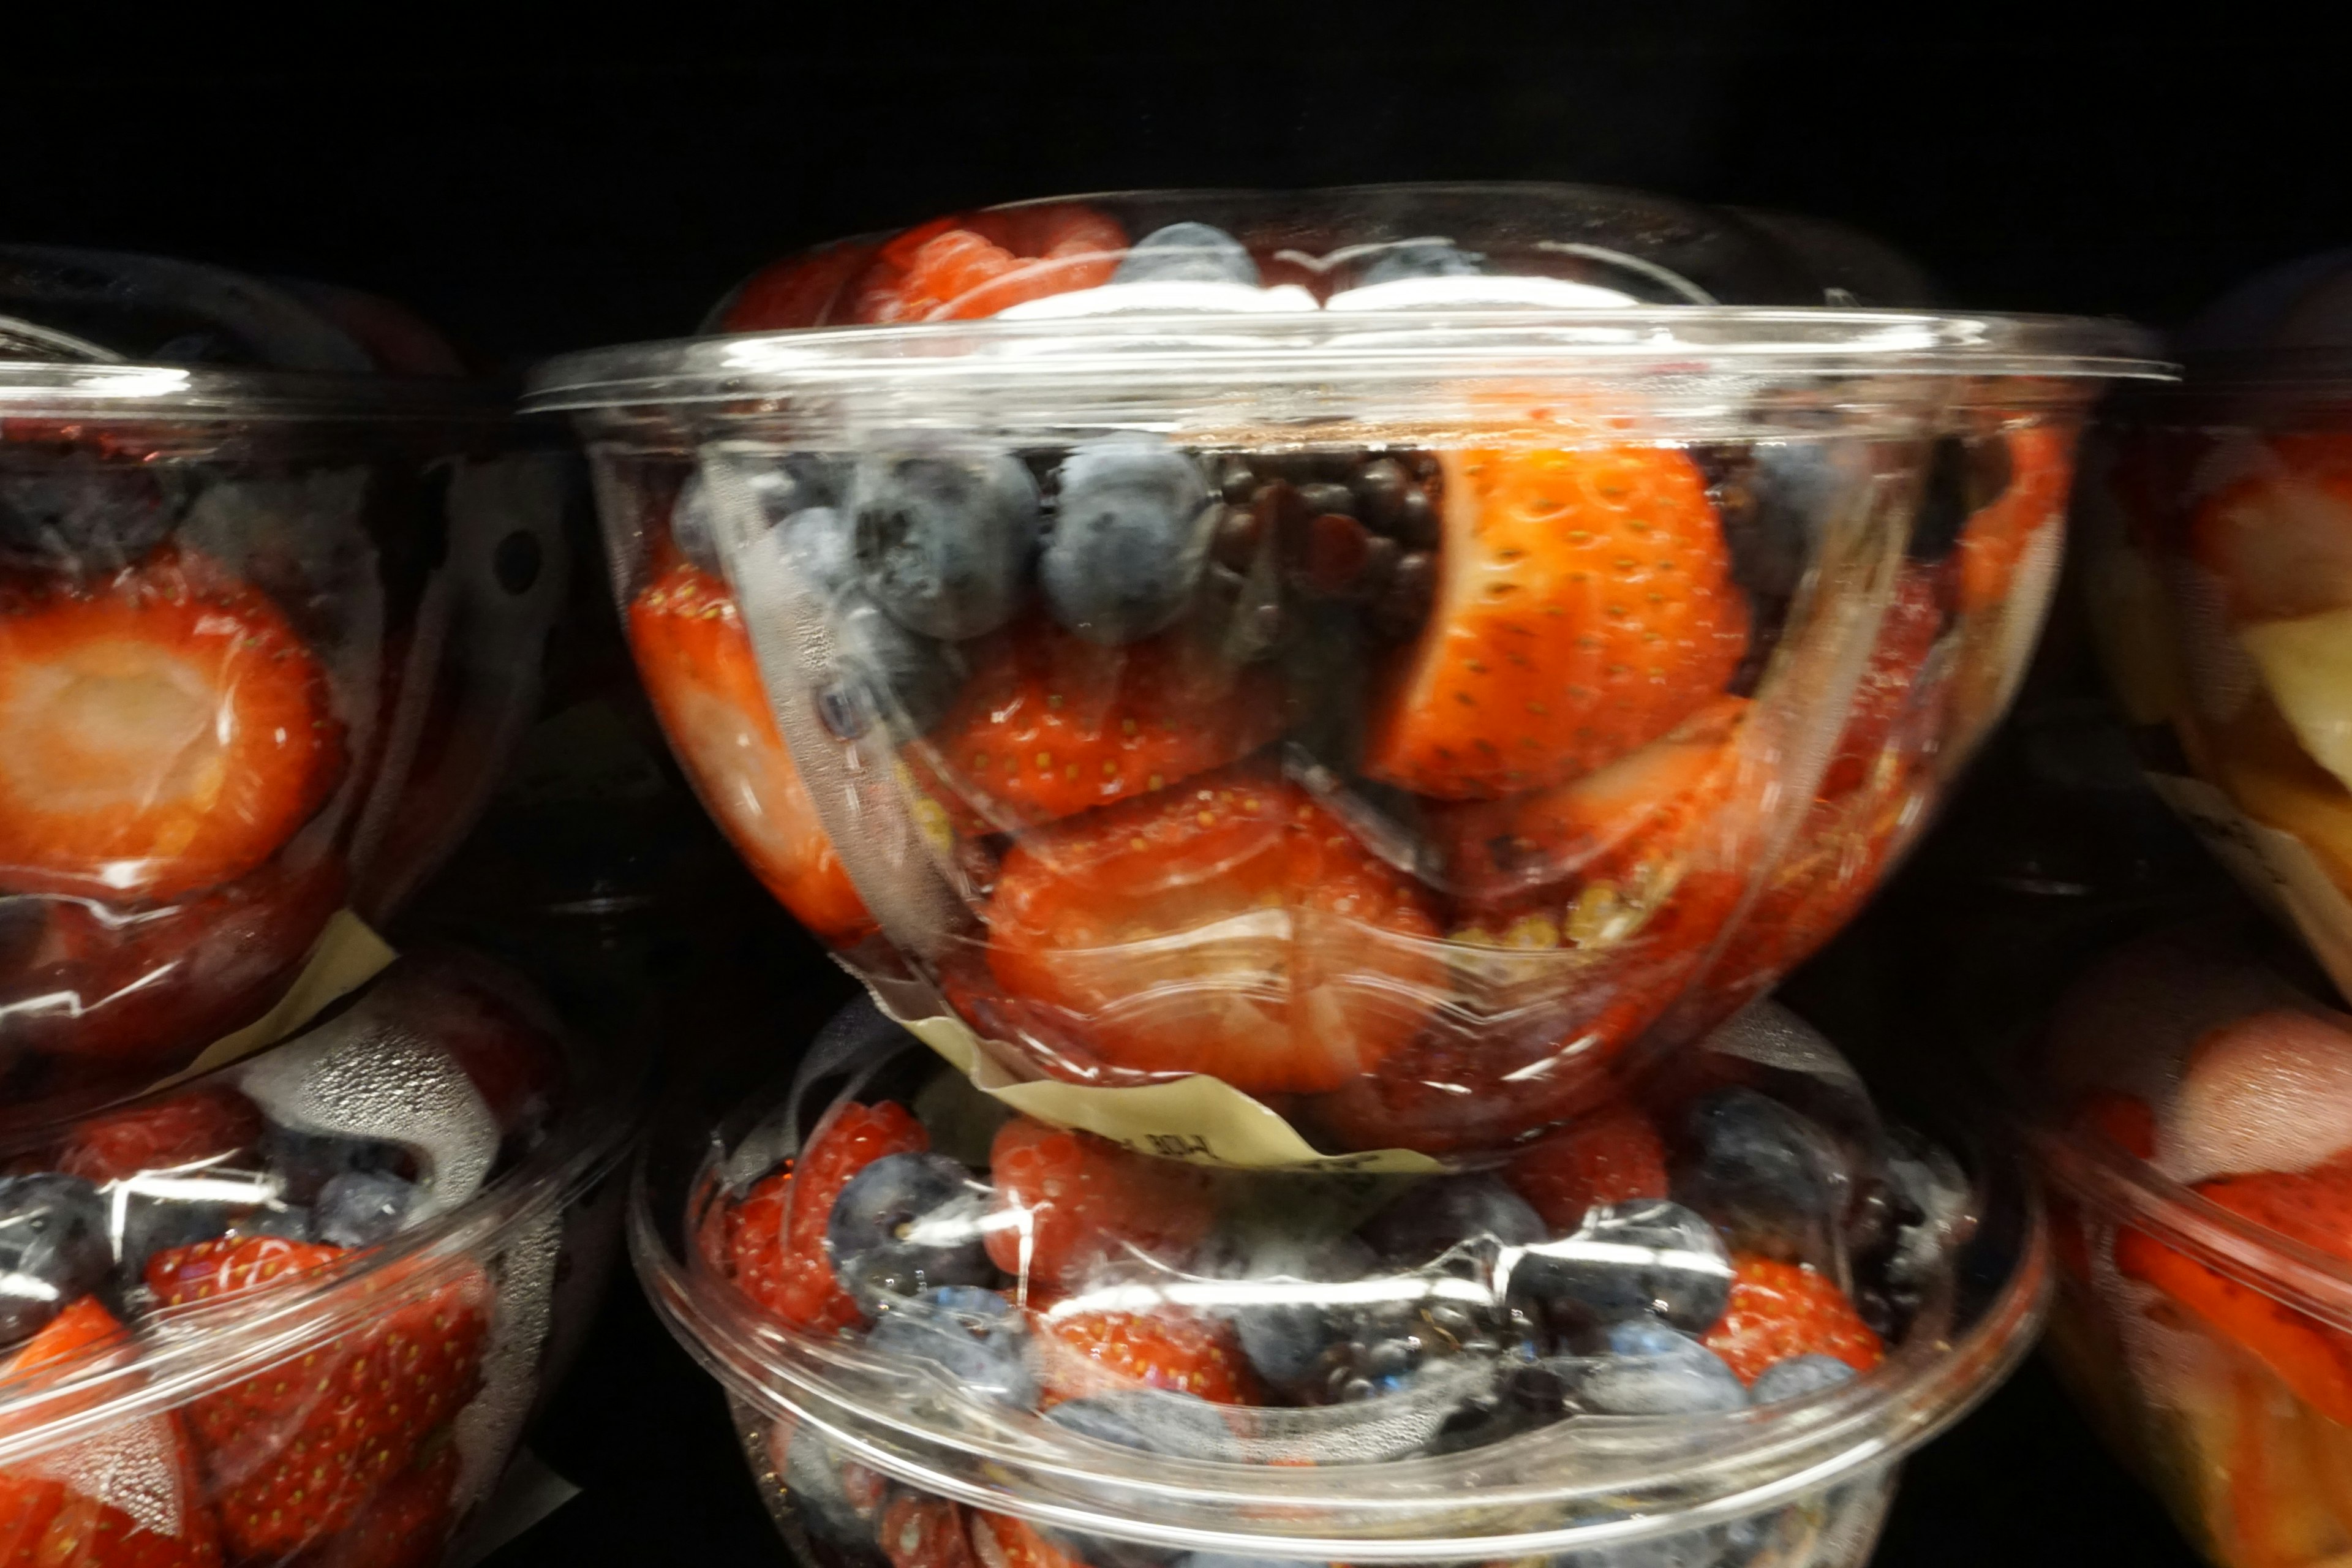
556	181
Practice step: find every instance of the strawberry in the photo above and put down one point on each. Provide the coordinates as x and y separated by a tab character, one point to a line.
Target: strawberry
1228	926
954	270
151	985
1082	1199
190	1127
1609	1157
1084	1354
1052	724
2314	1207
699	671
55	1523
407	1523
2280	539
1584	607
1993	539
775	1232
1781	1310
296	1452
1001	1540
801	291
923	1531
1839	857
1887	702
163	731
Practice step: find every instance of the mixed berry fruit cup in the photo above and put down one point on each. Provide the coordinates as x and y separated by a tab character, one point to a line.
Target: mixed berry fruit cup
1701	1327
1392	675
300	1309
2192	1115
265	637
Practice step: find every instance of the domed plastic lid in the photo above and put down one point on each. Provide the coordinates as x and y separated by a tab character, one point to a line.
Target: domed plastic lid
1163	289
379	1159
1682	1310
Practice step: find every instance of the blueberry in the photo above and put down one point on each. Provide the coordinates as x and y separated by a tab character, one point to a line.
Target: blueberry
1286	1339
53	1249
1422	258
1131	531
1527	1397
1187	253
1796	487
304	1162
1156	1420
782	488
974	1335
1684	1379
151	1225
1642	1336
361	1208
908	1224
1798	1376
1770	1180
1434	1216
1628	1260
812	1477
943	544
290	1221
88	518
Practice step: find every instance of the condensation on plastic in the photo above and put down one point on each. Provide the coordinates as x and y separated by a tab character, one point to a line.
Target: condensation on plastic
1332	1482
526	1250
2249	1469
410	538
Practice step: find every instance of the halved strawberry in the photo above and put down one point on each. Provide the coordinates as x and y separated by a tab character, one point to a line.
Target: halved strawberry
801	291
296	1452
1081	1199
2041	471
1608	1157
775	1233
1584	607
182	1129
162	730
407	1523
919	1530
1051	724
128	987
2314	1207
143	1462
1083	1353
961	270
704	681
1229	926
1781	1310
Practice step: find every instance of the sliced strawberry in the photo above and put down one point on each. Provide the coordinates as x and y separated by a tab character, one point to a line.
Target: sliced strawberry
775	1233
1001	1540
1081	1199
1887	709
2314	1207
1084	1354
130	987
161	731
296	1452
1839	857
1051	724
189	1127
698	669
1584	607
1612	1156
802	290
1228	926
407	1524
923	1531
46	1522
1993	539
1783	1309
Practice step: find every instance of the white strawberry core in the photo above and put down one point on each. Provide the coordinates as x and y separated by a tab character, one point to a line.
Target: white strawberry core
122	724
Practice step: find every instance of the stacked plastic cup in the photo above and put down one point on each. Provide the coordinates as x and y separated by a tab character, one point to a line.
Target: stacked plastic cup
2187	1100
274	581
1310	694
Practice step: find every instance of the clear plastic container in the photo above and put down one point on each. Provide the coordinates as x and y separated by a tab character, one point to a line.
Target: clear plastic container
1392	675
1703	1328
2220	517
265	636
2191	1112
300	1309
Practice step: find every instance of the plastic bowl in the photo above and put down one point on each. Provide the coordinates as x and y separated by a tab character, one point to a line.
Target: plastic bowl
1505	1369
265	638
2188	1114
345	1272
1392	696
